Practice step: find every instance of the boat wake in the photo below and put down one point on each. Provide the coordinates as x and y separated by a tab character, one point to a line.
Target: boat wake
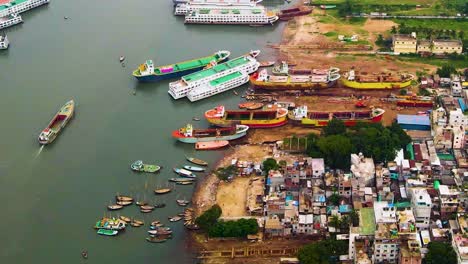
39	151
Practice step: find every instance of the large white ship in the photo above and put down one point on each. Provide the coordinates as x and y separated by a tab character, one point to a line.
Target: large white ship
8	7
217	79
244	15
184	8
10	20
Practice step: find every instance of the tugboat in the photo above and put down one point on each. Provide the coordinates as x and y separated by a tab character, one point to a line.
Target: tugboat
59	121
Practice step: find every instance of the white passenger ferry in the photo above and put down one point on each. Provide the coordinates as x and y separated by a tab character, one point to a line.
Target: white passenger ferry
215	79
10	20
184	8
8	7
4	43
246	15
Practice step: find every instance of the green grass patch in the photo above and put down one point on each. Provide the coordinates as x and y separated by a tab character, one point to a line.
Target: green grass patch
377	2
359	42
447	24
331	34
459	64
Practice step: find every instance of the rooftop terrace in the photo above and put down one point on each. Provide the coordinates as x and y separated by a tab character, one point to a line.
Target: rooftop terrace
367	221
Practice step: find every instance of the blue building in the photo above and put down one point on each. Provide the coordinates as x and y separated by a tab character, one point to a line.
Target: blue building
414	122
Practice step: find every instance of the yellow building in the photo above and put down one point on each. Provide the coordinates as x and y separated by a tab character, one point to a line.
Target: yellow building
446	46
404	43
424	46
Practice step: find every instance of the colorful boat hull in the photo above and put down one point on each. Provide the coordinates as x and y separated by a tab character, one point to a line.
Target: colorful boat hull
60	120
241	131
148	73
302	80
351	80
251	118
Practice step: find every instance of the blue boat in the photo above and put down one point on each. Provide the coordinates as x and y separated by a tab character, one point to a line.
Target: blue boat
147	72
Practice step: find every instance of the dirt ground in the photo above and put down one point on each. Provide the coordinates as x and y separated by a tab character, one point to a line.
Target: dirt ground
231	197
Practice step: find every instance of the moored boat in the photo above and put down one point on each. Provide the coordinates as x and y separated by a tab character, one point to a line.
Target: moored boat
197	161
147	72
189	135
211	145
125	219
179	180
146	211
114	207
159	205
10	20
185	183
141	167
124	203
356	80
147	207
139	222
253	118
110	223
185	173
287	14
123	198
107	232
174	218
307	79
302	116
156	240
266	63
193	168
240	15
162	191
59	121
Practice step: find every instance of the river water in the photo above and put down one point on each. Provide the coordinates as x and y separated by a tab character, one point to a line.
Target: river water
53	196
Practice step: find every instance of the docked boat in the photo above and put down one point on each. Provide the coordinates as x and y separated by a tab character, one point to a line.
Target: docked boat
302	116
133	224
125	219
282	69
107	232
159	205
197	161
185	183
10	20
139	222
123	198
179	180
211	145
141	167
8	7
185	173
147	207
110	223
193	168
147	72
146	211
267	63
124	203
189	135
156	240
287	14
114	207
162	191
182	201
217	79
140	203
4	43
155	222
182	9
362	80
253	118
250	105
59	121
235	15
175	218
307	79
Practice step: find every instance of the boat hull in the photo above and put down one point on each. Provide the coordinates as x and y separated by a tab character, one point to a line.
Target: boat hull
289	86
193	140
348	123
375	85
61	118
250	123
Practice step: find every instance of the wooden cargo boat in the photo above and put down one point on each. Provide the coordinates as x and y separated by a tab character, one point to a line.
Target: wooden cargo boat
189	135
211	145
301	116
59	121
197	161
253	118
356	80
287	14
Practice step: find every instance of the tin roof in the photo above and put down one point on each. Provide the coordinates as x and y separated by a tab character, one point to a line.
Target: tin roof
413	120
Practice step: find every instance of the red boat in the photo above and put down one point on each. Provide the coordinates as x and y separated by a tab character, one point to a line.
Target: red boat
210	145
414	103
287	14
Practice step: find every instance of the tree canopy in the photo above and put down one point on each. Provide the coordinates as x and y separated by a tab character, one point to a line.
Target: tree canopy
334	127
440	253
270	164
209	217
446	70
372	139
239	228
322	252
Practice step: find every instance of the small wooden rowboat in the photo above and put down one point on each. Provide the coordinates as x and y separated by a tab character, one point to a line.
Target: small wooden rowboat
254	106
124	218
140	203
147	207
139	222
156	240
193	168
197	161
210	145
155	222
123	198
162	191
146	211
135	224
114	207
267	63
184	183
124	203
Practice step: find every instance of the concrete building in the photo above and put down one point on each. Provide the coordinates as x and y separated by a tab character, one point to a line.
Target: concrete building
318	168
460	239
422	206
448	200
384	212
410	253
457	118
424	46
404	43
447	46
386	243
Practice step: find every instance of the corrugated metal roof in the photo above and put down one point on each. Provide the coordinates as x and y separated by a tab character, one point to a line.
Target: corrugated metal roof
414	120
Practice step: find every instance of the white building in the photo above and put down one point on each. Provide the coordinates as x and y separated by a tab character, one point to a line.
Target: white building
384	212
363	168
422	206
457	118
318	168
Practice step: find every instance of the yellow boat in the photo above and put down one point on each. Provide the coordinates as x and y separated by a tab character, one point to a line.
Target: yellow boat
357	80
219	116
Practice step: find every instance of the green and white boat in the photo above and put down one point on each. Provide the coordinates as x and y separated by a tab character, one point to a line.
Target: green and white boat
107	232
141	167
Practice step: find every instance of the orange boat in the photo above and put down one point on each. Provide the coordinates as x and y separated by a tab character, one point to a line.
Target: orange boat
251	105
218	116
211	145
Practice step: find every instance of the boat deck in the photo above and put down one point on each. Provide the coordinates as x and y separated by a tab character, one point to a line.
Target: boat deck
231	11
4	4
182	66
226	78
216	69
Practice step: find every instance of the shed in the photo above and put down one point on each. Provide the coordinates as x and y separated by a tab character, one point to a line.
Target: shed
414	122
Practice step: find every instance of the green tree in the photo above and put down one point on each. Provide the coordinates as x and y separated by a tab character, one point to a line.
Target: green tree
334	221
354	217
393	30
270	164
312	148
334	127
239	228
446	70
440	253
227	172
403	92
336	150
345	8
209	217
335	199
322	252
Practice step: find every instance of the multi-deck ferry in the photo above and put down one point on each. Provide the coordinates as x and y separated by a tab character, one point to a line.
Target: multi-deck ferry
216	79
184	8
242	15
148	73
357	80
10	20
8	7
301	116
218	116
307	79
